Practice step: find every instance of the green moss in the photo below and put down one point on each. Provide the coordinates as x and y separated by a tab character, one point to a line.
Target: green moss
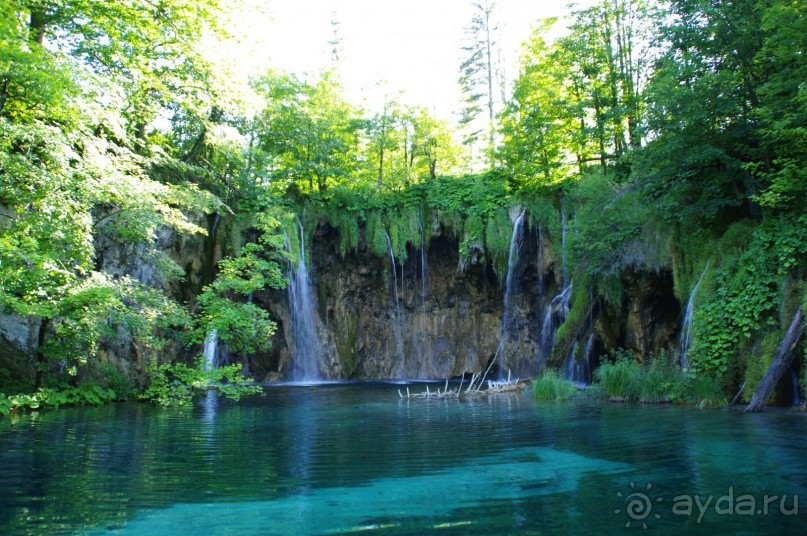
571	329
543	213
376	236
609	288
346	345
498	236
291	231
758	362
473	232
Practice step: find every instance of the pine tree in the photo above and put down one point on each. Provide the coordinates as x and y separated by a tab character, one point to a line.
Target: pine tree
478	75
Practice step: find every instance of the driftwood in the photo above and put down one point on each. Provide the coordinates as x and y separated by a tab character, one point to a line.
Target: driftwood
781	363
475	387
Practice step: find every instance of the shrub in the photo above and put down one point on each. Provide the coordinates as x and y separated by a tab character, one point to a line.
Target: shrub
176	384
89	393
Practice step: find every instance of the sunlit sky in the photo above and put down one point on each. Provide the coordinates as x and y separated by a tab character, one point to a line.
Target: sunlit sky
412	46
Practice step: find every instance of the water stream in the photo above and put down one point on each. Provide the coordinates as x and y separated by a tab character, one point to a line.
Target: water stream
554	315
306	346
399	346
510	289
211	354
686	327
577	368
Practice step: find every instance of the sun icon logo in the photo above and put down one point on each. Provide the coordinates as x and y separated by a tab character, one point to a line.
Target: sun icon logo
638	505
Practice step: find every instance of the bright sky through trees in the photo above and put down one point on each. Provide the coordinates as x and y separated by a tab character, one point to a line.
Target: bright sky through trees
413	45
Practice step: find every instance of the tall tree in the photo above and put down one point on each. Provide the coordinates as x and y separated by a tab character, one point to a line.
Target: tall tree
79	82
478	76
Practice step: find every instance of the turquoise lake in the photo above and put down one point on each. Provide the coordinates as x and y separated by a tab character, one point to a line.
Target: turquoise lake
355	458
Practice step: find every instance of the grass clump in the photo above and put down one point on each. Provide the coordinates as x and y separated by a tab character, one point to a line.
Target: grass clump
657	381
552	386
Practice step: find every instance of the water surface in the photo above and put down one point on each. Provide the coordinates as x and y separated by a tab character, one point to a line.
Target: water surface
343	458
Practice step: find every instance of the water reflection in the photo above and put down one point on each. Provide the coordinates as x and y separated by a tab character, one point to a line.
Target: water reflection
337	457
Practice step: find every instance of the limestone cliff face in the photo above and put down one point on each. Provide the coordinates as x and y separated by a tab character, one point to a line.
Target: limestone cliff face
447	319
450	321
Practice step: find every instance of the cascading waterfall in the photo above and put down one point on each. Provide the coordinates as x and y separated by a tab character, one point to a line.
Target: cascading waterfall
556	312
686	328
397	324
422	343
579	370
211	350
423	268
514	254
306	347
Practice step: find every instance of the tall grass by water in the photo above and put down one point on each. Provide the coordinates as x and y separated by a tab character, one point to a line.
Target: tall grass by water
657	381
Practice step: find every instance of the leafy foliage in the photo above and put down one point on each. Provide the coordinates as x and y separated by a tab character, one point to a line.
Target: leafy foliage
177	384
85	394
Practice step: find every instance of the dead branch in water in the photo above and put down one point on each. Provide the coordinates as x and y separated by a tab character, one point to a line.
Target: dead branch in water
475	387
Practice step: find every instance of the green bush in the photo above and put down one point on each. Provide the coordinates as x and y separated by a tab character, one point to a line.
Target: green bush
552	386
177	384
108	376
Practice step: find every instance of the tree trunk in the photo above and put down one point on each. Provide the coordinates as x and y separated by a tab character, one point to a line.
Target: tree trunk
37	25
781	363
491	131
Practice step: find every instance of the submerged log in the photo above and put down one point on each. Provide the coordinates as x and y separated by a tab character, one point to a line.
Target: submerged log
781	363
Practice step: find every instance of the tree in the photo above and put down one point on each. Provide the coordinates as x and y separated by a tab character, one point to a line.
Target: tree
308	133
538	119
702	111
478	75
79	83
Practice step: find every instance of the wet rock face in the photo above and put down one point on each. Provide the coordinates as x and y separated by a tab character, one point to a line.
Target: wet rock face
650	317
453	323
449	324
18	340
443	325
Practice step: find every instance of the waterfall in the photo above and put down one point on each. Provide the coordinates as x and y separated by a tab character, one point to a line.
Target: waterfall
216	220
571	363
423	268
510	286
686	328
541	260
421	335
397	325
306	347
554	315
579	370
211	350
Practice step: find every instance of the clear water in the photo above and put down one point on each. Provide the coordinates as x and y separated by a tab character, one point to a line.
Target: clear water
356	458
